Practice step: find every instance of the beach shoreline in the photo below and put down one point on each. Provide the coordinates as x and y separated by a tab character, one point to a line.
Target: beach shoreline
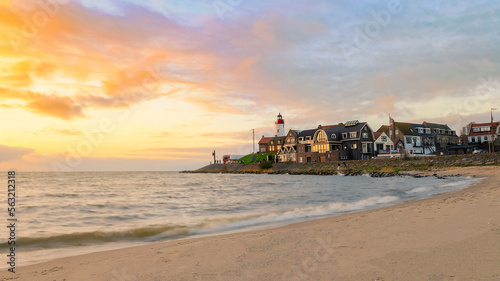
450	236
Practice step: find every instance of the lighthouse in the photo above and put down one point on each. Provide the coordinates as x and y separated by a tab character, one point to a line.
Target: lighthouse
280	126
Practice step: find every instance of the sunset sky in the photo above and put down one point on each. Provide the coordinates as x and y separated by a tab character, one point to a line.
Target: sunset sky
158	85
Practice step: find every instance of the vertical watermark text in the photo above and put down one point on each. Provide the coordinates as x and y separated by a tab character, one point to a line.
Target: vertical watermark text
11	220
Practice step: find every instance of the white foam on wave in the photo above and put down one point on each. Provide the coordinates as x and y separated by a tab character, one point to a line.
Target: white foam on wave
419	189
300	213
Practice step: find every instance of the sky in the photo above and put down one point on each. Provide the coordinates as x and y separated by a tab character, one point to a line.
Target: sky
158	85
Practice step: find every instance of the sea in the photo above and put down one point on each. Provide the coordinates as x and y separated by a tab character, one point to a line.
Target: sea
72	213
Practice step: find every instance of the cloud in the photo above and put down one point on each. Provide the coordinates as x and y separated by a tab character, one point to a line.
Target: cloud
10	153
69	132
49	105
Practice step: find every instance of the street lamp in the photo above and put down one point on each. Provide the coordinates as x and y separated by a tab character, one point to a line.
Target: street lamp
491	130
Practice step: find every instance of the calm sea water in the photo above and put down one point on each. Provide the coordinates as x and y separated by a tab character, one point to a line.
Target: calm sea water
65	214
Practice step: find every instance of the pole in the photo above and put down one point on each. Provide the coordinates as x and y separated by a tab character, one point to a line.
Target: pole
253	137
491	129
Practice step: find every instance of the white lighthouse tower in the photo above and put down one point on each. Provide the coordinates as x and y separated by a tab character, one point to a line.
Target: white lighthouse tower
280	126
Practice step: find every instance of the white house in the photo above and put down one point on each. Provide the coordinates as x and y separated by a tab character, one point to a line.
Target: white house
382	144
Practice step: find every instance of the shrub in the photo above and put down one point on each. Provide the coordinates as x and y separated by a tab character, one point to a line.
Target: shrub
264	165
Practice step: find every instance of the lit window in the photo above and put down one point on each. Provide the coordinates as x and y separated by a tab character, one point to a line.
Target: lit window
321	136
354	146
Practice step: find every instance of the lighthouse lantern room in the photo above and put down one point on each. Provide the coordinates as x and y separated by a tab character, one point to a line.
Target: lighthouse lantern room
280	126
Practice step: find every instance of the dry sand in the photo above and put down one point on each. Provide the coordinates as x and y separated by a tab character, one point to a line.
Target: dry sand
453	236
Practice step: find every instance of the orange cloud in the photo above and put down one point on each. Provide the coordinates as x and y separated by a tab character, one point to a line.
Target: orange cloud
50	105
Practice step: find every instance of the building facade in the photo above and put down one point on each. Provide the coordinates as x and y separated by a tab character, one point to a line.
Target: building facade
288	152
444	136
483	132
264	144
417	139
350	141
383	143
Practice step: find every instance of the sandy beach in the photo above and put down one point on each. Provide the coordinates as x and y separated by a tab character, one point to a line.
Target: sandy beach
452	236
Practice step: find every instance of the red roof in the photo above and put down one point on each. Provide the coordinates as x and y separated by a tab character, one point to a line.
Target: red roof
384	128
377	135
265	140
475	125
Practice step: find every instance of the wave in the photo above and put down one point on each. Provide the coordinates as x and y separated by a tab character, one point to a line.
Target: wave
456	183
213	225
61	195
419	189
89	238
298	213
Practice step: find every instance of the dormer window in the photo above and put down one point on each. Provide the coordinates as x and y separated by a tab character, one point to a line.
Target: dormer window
308	138
344	135
333	136
352	134
301	138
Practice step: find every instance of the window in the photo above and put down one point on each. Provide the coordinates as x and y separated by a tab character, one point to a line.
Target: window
365	148
352	134
427	130
420	130
333	136
384	138
301	138
354	146
365	135
408	140
344	135
321	137
279	142
308	138
321	148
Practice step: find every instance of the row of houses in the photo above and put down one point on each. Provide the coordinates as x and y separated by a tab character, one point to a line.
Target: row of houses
354	140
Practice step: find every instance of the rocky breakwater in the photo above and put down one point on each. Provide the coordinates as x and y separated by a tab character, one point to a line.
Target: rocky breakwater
381	167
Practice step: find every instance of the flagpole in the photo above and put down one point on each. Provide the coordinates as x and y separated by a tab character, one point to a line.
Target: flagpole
491	129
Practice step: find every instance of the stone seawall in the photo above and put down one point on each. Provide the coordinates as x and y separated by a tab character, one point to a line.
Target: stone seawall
382	166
